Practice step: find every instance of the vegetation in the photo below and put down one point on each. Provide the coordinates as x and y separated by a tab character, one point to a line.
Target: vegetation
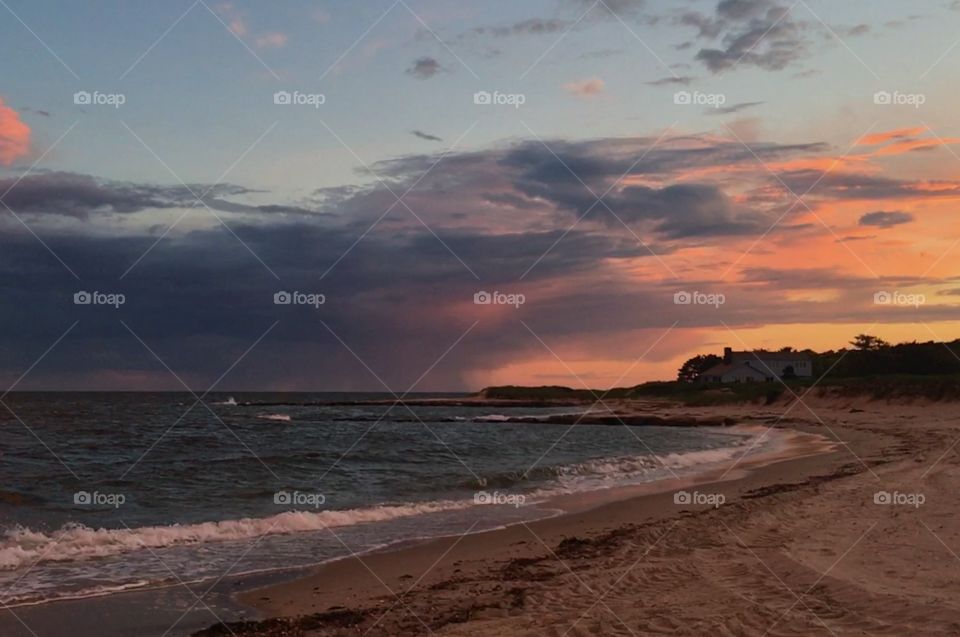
869	356
870	367
691	370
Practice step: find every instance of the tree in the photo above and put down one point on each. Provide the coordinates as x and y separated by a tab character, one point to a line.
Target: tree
865	342
693	368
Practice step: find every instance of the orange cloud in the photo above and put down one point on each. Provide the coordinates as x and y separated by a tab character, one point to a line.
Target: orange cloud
890	135
910	145
822	164
14	135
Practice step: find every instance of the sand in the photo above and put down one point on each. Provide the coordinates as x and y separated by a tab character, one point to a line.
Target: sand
800	547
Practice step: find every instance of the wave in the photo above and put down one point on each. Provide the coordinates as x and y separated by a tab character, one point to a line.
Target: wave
534	418
231	401
493	418
614	469
22	546
276	417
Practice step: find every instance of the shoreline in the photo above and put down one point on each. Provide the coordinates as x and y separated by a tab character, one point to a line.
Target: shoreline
365	578
552	505
232	594
801	546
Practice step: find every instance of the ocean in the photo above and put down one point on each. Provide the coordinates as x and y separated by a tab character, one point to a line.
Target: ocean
108	492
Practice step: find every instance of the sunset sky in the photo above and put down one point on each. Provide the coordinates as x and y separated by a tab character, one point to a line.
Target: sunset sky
793	160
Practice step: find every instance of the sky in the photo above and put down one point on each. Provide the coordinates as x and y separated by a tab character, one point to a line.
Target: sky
428	195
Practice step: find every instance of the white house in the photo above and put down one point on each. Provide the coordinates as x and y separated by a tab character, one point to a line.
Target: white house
758	366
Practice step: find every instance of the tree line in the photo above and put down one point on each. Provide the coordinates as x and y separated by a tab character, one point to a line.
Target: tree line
867	356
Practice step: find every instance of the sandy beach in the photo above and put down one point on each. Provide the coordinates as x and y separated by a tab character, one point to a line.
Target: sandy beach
397	318
858	540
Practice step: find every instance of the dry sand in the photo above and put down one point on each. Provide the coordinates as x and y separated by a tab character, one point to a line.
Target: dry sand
799	548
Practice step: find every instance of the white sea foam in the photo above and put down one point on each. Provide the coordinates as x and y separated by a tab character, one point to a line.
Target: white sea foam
276	417
624	470
21	546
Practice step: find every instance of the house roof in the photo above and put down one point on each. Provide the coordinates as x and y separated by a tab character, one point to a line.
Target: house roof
723	368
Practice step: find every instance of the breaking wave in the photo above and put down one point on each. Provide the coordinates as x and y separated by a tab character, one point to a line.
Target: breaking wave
22	546
275	417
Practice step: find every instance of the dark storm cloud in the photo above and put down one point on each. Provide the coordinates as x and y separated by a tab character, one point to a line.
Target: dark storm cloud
79	196
223	205
845	186
532	26
75	195
734	108
524	175
706	26
200	299
860	29
399	286
584	11
424	68
760	33
535	185
600	162
682	80
427	136
687	210
885	219
619	7
675	212
741	9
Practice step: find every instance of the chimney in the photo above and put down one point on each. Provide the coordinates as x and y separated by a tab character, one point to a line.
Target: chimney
727	355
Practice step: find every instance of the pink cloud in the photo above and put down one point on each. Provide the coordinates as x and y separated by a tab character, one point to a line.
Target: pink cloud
14	135
272	40
237	23
586	88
